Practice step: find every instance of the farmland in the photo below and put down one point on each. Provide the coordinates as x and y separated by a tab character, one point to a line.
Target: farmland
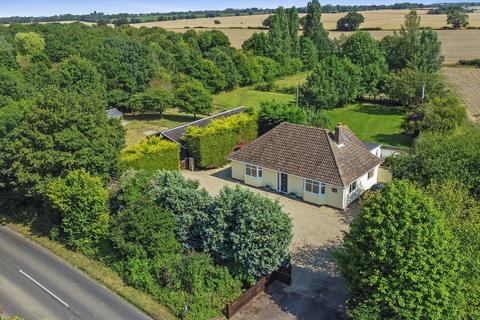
466	81
385	19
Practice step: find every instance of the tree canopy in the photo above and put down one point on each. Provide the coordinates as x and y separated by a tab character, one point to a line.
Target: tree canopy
350	22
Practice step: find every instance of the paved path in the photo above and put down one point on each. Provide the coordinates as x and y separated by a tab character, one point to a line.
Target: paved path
317	292
37	285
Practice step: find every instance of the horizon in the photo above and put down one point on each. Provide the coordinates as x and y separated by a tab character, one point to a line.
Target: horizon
45	8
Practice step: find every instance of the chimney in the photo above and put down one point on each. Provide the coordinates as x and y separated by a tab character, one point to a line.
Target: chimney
339	132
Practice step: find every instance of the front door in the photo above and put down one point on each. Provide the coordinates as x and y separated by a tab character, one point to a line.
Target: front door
283	182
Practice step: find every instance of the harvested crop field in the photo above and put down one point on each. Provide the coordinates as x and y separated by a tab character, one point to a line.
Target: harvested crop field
467	83
385	19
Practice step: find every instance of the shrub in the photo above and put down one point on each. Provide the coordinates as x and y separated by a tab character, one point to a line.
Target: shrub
210	145
274	113
152	154
248	232
82	204
143	230
189	205
438	115
399	259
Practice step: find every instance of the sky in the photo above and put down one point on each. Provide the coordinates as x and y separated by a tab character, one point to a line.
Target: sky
53	7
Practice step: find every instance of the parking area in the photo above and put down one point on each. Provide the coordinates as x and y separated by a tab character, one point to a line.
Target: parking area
317	291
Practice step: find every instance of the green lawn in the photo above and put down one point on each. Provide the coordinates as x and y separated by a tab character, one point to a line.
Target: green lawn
293	80
374	123
138	124
248	97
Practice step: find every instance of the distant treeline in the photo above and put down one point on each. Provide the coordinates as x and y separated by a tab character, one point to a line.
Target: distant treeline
149	17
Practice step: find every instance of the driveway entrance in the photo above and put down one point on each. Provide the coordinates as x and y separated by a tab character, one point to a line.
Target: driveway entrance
317	290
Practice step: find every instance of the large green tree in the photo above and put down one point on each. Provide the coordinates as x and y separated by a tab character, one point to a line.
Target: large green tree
350	22
313	29
192	97
333	83
413	47
456	17
365	52
56	133
29	43
81	202
399	259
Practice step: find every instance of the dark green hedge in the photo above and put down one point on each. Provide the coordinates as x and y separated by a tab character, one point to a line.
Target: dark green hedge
211	145
152	154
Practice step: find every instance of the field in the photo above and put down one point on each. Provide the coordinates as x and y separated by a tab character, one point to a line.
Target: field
373	123
466	81
385	19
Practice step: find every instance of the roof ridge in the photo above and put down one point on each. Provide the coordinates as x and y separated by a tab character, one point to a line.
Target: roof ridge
305	126
335	160
202	119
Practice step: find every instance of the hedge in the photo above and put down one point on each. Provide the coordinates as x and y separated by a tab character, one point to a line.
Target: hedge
211	144
152	154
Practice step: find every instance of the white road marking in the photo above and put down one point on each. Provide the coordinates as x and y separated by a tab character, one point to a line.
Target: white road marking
45	289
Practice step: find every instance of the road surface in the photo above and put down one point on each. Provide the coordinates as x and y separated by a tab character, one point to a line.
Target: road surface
37	285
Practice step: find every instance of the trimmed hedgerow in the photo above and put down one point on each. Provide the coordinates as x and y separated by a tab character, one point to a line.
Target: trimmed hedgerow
152	154
211	144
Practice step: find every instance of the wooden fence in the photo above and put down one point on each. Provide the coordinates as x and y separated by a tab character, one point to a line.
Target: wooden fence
283	275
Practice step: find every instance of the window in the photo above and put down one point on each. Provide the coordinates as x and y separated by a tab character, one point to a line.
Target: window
370	173
253	171
334	190
314	186
353	187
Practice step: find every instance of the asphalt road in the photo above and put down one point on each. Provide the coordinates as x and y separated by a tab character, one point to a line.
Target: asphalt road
37	285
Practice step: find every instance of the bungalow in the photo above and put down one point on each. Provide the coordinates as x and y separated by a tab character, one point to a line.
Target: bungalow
321	167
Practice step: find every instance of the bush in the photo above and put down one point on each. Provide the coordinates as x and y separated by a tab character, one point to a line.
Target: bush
189	205
438	115
274	113
142	230
210	145
248	232
82	204
473	62
152	154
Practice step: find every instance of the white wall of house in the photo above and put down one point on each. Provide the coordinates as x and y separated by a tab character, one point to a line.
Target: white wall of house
363	184
334	196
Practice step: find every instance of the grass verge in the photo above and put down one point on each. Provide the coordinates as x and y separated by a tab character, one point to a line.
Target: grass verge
98	272
248	97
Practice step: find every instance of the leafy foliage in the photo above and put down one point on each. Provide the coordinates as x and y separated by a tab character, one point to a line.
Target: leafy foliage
414	47
313	29
274	113
443	157
29	43
57	133
152	154
152	100
366	53
399	259
82	204
210	145
438	115
192	97
408	85
249	232
350	22
333	83
457	17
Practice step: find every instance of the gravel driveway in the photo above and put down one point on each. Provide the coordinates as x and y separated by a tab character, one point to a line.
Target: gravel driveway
317	291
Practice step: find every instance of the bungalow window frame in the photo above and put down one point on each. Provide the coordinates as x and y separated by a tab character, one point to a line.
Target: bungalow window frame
251	168
371	174
314	183
354	184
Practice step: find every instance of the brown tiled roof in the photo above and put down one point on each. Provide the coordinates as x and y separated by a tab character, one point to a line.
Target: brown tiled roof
310	153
